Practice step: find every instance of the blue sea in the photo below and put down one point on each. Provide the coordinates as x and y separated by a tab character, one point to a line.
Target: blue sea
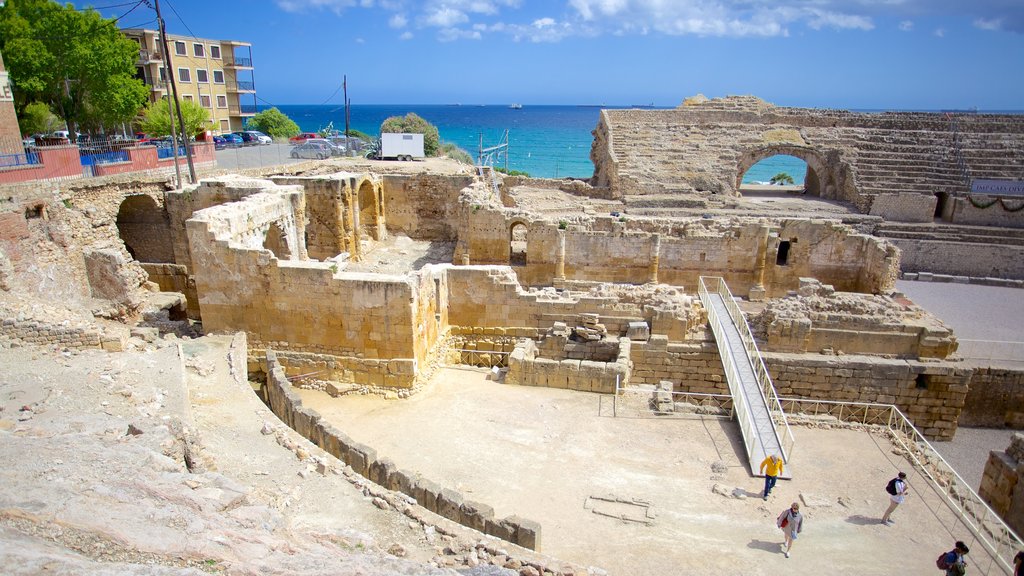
544	141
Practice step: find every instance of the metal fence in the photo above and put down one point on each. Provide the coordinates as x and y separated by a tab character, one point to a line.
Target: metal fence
107	151
638	402
483	358
783	434
998	539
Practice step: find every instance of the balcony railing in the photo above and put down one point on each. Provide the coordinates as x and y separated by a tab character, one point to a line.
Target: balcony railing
243	110
147	56
242	87
239	63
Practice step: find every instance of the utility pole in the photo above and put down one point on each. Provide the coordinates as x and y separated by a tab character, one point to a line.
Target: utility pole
344	85
174	91
170	107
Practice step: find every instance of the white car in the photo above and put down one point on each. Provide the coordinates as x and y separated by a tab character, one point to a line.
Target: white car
260	137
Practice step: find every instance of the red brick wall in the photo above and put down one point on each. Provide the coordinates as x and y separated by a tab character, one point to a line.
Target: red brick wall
10	134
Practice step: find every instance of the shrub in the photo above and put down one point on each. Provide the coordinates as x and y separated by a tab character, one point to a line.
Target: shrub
512	172
455	153
273	123
413	124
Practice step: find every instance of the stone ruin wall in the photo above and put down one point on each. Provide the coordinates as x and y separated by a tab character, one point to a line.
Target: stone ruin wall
424	207
1007	212
448	503
903	207
1001	487
976	259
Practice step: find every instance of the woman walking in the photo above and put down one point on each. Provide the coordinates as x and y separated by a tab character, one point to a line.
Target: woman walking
792	523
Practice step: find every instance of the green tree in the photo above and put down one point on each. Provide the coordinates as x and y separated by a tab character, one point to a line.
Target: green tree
273	123
157	122
76	62
38	119
781	178
413	124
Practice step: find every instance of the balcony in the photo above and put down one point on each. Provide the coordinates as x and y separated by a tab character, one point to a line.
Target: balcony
243	110
157	86
242	87
238	63
148	56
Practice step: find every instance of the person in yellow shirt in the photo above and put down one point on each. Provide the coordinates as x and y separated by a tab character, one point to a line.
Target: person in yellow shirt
774	465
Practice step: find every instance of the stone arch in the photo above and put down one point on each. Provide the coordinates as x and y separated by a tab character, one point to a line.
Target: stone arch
277	242
518	238
369	210
143	226
820	180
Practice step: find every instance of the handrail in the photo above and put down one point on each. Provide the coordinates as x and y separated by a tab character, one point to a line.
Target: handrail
786	440
996	537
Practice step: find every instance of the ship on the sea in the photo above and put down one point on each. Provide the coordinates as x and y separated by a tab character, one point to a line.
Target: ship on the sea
516	106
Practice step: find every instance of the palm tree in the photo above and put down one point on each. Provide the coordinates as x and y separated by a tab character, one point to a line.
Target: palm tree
781	178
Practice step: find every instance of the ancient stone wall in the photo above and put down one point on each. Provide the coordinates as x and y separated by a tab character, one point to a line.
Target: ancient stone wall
1001	487
981	210
930	394
175	278
35	323
527	368
364	461
692	366
995	398
423	207
979	259
904	207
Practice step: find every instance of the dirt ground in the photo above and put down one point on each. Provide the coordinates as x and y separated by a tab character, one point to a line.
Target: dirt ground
560	458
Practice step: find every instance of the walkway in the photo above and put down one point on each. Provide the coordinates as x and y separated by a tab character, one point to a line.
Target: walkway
760	436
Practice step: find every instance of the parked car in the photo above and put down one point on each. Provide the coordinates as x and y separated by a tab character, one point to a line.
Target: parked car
260	137
335	149
303	137
316	150
219	143
248	139
232	140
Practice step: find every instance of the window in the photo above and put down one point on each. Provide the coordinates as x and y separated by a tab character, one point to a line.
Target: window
224	126
218	76
215	52
204	101
184	75
163	74
199	51
188	97
202	76
179	48
222	101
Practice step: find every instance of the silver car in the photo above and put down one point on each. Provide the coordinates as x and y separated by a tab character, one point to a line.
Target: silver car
336	150
316	150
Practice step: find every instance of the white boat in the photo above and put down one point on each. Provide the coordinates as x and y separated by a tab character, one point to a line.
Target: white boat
516	106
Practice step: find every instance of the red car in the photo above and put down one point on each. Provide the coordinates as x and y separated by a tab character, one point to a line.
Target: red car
303	137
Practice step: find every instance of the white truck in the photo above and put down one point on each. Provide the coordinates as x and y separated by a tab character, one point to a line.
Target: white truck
401	146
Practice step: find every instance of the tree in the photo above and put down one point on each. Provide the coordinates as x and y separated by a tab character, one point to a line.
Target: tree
78	63
781	178
411	123
38	119
157	122
273	123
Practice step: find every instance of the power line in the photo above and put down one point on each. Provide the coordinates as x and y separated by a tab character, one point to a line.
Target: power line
98	8
130	10
180	19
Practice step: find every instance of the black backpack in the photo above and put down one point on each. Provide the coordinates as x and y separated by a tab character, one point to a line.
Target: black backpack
891	486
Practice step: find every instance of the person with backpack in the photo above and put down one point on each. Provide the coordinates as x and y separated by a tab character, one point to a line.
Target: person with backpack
792	523
898	491
953	561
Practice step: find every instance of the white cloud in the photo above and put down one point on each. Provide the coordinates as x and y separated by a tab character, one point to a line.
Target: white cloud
543	22
445	17
993	24
406	35
906	26
453	34
336	6
398	21
940	32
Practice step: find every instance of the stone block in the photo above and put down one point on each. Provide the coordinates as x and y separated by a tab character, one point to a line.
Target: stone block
381	472
449	505
527	533
359	458
475	515
426	492
500	529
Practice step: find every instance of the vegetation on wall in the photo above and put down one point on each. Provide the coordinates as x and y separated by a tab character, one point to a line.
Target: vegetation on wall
76	62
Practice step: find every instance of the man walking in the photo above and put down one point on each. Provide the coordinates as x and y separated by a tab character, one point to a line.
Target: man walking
774	465
953	562
898	491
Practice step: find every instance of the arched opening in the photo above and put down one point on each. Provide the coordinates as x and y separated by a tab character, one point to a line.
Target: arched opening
368	211
782	258
517	244
142	226
777	170
807	168
277	242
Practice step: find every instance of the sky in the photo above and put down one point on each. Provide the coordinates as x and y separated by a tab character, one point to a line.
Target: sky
851	54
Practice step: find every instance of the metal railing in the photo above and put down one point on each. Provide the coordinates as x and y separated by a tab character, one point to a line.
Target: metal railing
27	158
764	381
483	358
242	109
109	151
998	539
235	62
247	86
634	402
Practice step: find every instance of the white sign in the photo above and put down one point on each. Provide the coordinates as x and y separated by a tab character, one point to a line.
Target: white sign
6	94
1004	187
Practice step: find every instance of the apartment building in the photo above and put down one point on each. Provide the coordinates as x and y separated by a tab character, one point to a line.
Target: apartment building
217	74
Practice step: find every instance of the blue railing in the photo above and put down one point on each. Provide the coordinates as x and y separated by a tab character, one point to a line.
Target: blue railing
168	152
108	157
245	62
245	85
26	159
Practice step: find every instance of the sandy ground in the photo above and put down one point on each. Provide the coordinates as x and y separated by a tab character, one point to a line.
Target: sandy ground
545	454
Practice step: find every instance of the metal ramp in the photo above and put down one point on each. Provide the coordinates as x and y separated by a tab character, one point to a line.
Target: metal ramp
757	408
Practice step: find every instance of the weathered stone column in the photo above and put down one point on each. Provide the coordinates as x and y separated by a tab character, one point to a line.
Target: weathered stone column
655	259
757	291
560	258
